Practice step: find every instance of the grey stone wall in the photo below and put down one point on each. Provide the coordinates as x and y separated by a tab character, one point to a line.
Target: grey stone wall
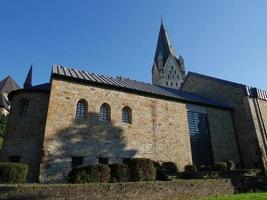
159	129
259	113
24	136
222	134
243	122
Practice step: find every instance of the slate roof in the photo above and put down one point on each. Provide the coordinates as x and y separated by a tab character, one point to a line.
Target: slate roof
8	84
3	101
215	79
131	86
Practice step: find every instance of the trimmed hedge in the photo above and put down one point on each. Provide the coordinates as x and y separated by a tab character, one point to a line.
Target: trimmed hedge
118	172
89	174
170	166
142	169
13	172
220	166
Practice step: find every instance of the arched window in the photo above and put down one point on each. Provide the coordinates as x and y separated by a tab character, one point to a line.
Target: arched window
24	111
126	115
81	108
104	112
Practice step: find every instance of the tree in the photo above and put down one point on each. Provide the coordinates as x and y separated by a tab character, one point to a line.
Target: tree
3	120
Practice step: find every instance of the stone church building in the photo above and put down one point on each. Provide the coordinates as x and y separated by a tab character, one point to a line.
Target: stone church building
81	118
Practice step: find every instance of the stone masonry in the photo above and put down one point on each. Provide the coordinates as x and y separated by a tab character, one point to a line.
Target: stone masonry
24	136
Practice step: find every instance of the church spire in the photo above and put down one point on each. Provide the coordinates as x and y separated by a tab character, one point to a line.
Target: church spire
28	80
164	46
168	70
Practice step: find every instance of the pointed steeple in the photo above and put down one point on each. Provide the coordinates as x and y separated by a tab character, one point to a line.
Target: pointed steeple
164	45
28	80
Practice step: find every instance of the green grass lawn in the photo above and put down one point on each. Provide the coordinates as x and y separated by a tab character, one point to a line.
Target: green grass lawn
248	196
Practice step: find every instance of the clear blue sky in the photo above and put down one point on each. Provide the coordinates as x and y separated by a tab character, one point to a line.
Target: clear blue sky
221	38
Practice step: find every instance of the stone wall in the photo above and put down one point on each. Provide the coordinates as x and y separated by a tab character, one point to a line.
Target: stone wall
170	190
233	96
24	136
259	112
3	111
159	129
222	134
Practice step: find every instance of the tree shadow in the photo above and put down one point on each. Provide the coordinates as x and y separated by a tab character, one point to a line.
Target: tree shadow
87	137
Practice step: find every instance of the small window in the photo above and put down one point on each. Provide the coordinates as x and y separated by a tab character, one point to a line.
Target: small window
24	109
171	83
127	115
175	71
104	112
167	83
81	109
172	67
168	76
103	161
176	84
14	159
126	161
76	161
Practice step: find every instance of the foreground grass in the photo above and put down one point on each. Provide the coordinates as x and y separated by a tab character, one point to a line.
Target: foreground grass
248	196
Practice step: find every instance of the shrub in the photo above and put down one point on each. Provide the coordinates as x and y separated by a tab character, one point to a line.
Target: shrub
13	172
220	166
230	164
157	165
170	166
141	169
90	173
118	172
191	171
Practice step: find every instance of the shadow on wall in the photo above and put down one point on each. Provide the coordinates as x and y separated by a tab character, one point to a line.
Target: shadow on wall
87	137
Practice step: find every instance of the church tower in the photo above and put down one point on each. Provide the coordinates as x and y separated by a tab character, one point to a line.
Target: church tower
167	70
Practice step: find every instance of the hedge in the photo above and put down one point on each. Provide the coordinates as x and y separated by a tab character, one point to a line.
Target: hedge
118	172
142	169
90	173
13	172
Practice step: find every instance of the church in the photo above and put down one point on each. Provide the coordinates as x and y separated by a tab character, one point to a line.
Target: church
82	118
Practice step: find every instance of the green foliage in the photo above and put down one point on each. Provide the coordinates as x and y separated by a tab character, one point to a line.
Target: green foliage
13	172
220	166
3	120
190	169
119	172
230	164
89	174
170	166
142	169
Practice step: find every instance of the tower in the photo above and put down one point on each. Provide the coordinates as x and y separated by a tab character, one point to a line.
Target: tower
167	69
28	80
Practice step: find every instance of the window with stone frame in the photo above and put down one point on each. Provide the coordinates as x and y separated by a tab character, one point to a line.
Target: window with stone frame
76	161
126	115
102	160
14	159
105	112
24	110
81	108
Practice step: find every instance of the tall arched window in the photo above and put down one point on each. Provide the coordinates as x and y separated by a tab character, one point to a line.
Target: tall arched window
81	108
24	110
126	115
104	112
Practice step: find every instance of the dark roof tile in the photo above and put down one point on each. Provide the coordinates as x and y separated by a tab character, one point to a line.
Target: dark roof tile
133	86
